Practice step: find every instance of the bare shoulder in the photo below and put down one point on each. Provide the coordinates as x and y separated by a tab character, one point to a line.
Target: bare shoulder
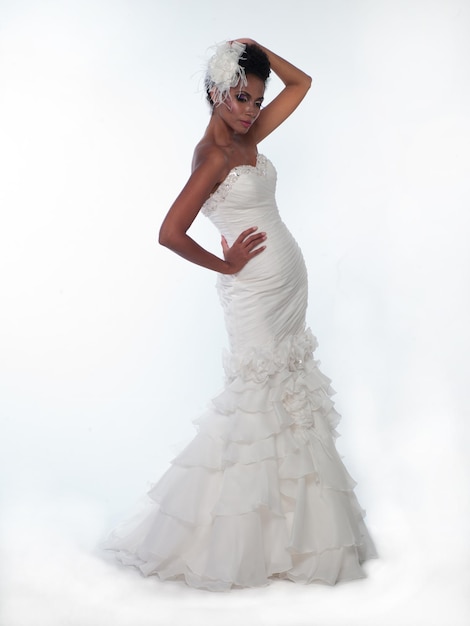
210	158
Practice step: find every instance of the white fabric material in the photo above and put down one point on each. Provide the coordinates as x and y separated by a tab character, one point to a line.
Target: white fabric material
261	489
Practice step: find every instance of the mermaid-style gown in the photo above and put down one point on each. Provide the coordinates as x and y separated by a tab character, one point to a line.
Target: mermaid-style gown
260	491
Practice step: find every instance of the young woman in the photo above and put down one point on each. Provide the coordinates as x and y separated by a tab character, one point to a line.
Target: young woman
260	491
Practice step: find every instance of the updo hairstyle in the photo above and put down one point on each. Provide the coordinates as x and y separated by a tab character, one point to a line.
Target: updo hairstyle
254	61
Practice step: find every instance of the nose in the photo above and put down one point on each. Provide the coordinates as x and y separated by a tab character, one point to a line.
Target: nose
251	109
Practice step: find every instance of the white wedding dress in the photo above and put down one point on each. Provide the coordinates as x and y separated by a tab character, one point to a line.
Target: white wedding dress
261	490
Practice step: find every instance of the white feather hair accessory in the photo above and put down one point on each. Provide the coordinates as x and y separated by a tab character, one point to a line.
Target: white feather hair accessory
224	70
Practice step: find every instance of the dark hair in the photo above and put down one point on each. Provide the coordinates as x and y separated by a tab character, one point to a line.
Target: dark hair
254	61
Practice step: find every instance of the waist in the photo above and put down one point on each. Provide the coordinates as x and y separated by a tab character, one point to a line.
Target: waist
280	263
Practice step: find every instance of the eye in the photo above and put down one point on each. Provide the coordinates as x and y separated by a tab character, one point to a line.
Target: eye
259	104
241	97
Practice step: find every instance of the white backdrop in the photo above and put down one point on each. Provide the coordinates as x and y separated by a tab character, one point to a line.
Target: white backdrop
110	345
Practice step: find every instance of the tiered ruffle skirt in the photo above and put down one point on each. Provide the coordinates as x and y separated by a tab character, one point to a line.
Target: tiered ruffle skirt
261	490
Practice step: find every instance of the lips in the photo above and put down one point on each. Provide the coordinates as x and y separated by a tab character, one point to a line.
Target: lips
246	124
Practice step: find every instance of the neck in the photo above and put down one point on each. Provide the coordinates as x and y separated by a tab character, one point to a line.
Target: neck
220	132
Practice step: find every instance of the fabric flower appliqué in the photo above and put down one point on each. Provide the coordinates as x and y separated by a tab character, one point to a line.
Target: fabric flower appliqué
301	401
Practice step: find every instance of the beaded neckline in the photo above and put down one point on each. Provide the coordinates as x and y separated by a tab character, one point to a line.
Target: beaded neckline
222	190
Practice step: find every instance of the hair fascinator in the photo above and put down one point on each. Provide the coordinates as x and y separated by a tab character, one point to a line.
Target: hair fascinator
224	70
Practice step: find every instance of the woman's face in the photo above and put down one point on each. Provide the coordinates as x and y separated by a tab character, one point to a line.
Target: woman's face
243	106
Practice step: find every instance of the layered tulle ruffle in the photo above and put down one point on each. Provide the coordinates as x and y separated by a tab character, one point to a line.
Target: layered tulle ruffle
261	490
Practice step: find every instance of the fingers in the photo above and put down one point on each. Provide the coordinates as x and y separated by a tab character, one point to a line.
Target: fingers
245	247
254	240
247	236
257	251
252	244
244	234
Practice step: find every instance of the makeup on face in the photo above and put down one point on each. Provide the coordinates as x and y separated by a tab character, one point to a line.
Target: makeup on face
245	97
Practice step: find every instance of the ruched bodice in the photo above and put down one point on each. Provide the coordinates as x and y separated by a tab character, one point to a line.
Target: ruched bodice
247	193
266	301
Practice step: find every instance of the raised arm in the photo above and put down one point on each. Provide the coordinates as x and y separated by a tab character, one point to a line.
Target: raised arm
296	82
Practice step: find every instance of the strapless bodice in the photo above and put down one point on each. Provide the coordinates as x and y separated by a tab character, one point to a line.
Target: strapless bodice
245	198
268	297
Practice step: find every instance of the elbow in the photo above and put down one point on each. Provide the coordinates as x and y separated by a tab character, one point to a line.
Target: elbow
303	85
164	238
169	237
308	82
